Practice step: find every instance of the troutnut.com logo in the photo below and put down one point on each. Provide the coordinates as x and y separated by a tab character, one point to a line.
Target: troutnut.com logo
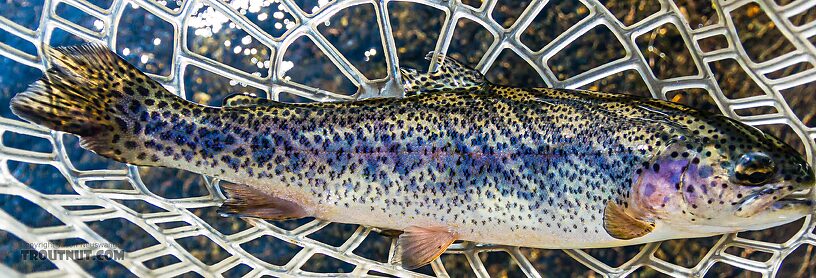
83	251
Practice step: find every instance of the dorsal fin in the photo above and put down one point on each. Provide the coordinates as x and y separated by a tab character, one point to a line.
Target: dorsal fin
450	74
246	99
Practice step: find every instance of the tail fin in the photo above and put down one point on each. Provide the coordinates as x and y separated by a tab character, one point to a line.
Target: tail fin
91	92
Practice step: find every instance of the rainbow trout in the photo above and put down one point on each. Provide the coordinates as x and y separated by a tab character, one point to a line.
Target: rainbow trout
458	158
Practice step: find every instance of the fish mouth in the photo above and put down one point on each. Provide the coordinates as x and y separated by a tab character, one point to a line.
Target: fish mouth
768	199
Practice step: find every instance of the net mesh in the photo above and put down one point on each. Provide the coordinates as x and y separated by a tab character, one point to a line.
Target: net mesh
751	60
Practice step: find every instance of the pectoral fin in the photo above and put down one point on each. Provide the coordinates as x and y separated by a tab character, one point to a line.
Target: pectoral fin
623	226
418	246
247	201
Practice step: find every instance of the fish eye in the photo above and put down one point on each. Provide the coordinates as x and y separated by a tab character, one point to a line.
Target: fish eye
754	169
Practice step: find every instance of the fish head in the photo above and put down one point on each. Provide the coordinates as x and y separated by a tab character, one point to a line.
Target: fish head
726	177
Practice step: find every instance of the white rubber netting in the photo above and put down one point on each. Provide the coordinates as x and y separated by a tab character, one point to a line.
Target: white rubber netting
750	60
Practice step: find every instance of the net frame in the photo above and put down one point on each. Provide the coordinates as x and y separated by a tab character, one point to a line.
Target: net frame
306	25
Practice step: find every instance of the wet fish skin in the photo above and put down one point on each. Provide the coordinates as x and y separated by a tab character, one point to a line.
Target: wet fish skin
533	167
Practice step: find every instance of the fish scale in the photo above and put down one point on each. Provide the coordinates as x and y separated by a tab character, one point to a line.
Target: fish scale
459	158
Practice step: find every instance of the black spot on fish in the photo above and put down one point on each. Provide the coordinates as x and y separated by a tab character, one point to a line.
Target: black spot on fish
143	91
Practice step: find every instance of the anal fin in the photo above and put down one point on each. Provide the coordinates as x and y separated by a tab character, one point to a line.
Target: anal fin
243	200
418	246
621	225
